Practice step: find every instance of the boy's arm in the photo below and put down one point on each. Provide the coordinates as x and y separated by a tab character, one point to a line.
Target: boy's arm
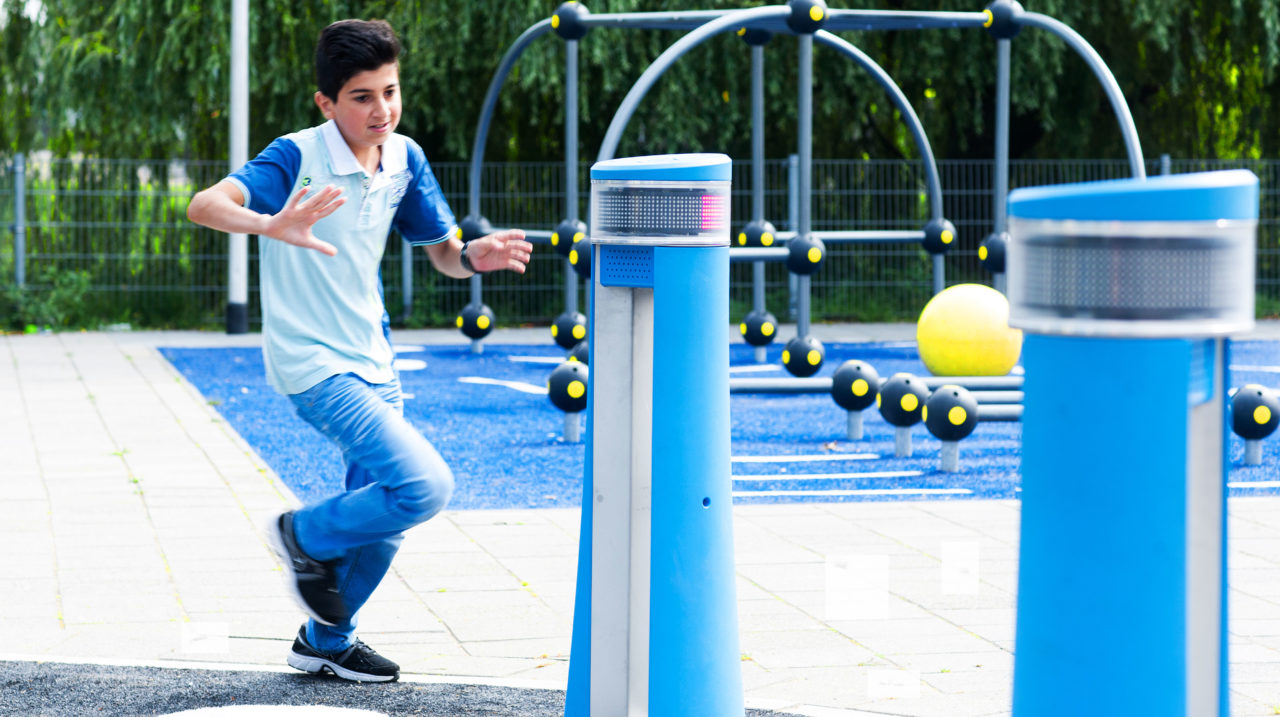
501	250
222	207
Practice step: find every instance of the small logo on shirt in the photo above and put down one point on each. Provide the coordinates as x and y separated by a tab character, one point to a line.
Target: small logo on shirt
306	181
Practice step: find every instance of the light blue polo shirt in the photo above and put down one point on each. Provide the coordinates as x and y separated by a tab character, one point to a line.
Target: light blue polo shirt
322	315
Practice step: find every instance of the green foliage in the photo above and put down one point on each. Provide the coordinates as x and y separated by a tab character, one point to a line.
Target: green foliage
150	79
55	301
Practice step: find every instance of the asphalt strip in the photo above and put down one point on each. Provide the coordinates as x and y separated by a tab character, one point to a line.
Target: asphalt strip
60	689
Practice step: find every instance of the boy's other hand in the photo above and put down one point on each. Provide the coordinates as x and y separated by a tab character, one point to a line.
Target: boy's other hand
293	224
500	250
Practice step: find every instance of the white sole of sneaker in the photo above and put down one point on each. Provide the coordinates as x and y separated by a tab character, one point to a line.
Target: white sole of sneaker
316	665
290	578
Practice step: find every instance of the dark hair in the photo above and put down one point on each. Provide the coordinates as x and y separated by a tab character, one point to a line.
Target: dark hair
348	47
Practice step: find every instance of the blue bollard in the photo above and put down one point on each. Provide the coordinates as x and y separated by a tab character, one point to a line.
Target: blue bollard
1127	291
655	620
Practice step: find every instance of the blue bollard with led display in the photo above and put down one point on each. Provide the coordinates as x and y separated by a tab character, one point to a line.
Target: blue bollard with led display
1127	291
655	628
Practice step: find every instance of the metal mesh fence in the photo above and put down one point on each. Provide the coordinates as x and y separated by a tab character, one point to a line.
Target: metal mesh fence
123	223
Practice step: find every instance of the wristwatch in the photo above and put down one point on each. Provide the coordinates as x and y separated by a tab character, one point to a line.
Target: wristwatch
466	263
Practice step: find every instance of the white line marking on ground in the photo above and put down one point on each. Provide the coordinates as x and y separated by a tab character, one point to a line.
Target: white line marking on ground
536	359
516	385
755	368
1262	369
408	364
1254	484
829	476
408	348
834	493
806	458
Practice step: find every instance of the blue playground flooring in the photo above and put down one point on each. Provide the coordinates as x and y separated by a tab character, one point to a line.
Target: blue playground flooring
489	417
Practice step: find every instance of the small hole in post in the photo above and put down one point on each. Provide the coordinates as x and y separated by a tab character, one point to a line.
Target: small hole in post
706	502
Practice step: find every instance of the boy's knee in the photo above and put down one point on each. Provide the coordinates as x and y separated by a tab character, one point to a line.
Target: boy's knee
427	494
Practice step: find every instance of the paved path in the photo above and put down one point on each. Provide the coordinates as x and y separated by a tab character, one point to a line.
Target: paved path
130	533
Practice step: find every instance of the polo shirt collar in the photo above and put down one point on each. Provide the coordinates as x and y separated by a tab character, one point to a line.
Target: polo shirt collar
395	154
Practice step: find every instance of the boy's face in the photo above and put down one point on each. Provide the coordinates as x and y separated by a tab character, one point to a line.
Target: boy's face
367	109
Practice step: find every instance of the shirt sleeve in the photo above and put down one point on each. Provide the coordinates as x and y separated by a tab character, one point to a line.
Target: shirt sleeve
424	216
267	180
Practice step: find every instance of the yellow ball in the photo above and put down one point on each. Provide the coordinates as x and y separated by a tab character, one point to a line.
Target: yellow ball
964	331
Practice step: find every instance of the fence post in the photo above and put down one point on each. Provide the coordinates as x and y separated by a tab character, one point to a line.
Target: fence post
793	221
20	220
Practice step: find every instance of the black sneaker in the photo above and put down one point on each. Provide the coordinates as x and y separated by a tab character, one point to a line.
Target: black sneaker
358	663
314	583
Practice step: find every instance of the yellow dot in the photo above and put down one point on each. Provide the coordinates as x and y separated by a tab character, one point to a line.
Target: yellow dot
555	239
860	387
573	256
554	330
815	357
766	328
742	31
786	356
579	331
815	13
982	253
909	402
742	238
458	233
766	238
573	359
990	18
743	328
924	413
815	255
576	389
947	236
725	95
1262	415
877	400
459	322
957	415
578	236
483	322
555	20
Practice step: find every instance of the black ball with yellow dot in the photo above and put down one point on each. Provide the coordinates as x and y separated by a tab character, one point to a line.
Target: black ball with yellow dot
759	328
569	20
805	255
473	227
757	233
754	37
854	387
569	234
950	414
569	329
901	402
939	236
991	252
803	356
580	258
1003	19
567	386
475	321
1255	413
581	352
807	16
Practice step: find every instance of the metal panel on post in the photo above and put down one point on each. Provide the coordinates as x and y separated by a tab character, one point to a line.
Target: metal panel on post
1127	291
655	624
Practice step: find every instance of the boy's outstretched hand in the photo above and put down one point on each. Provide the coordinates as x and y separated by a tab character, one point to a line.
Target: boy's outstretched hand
292	224
506	249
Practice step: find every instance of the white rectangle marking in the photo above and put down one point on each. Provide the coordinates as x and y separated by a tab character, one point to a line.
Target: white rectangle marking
827	476
806	458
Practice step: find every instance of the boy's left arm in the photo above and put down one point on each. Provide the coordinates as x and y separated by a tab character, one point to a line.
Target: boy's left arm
505	249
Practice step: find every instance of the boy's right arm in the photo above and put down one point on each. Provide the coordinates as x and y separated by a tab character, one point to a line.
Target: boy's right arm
222	207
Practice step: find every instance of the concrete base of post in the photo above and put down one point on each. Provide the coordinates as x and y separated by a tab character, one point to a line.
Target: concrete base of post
901	441
760	354
1253	453
476	346
949	457
855	425
572	428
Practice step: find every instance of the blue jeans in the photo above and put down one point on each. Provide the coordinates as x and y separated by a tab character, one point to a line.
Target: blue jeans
395	480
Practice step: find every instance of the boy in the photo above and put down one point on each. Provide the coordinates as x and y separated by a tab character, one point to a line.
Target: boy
324	344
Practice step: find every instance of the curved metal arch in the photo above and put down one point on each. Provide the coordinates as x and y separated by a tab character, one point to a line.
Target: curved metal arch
1128	129
904	106
491	100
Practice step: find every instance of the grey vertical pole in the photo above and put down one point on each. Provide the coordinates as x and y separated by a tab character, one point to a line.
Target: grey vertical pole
20	220
805	227
474	281
757	176
1166	164
1001	193
793	221
571	164
406	280
238	258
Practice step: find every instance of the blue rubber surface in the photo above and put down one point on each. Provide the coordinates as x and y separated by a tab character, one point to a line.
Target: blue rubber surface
506	450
